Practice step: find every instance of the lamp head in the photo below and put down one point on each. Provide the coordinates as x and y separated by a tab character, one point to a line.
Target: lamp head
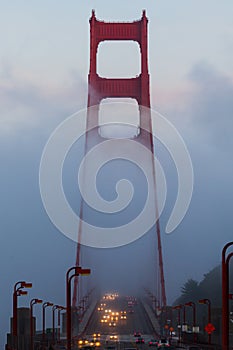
62	308
38	301
26	285
190	303
22	292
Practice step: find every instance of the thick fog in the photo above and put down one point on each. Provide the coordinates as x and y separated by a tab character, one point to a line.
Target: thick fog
44	65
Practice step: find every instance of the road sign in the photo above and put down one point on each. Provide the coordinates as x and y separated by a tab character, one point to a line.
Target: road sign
196	329
209	328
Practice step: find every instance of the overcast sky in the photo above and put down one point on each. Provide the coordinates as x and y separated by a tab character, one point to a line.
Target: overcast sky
44	62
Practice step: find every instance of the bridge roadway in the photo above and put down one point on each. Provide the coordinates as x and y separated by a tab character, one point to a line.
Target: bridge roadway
136	321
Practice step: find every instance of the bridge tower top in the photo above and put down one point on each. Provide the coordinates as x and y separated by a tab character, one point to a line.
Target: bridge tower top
112	31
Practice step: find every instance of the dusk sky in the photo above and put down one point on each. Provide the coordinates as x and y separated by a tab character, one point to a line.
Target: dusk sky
44	63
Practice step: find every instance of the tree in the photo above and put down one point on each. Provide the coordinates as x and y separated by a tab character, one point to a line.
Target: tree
189	292
190	289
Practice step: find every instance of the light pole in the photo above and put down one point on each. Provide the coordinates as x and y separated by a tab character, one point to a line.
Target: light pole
76	271
59	323
45	304
33	302
192	304
87	301
184	325
154	302
207	302
53	321
83	304
225	296
17	292
178	307
55	307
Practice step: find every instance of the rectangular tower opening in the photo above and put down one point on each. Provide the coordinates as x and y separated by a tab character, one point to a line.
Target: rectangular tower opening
118	59
119	118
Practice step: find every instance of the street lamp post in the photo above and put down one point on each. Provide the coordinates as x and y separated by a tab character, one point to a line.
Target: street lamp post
184	325
87	301
192	304
45	304
18	292
178	307
76	271
153	302
55	307
53	321
207	302
84	304
184	316
33	302
59	323
225	296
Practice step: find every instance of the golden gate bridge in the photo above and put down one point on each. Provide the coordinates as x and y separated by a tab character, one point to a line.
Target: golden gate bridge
137	88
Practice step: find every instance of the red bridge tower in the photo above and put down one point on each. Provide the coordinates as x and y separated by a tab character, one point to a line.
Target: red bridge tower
137	88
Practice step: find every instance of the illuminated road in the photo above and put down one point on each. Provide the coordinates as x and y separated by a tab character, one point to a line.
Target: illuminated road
136	320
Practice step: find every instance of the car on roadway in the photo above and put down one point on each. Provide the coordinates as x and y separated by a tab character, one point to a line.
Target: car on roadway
96	335
153	342
140	340
114	318
113	337
163	343
82	342
137	334
104	320
95	342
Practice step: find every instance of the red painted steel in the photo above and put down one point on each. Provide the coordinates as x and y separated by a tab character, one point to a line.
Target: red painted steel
137	88
225	295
